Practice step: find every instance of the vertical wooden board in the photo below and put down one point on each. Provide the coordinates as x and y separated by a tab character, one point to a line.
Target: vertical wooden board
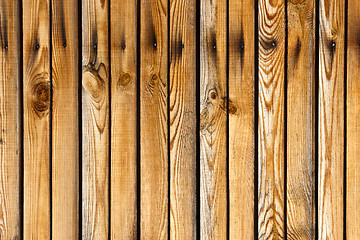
271	22
182	119
95	119
36	47
9	120
213	119
241	119
331	119
353	124
65	134
154	119
301	120
123	119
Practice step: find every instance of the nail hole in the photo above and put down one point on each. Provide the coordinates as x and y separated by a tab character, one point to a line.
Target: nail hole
273	43
154	44
95	46
6	47
37	46
123	46
333	44
64	45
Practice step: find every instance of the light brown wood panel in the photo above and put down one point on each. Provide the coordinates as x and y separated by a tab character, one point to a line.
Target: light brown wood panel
301	120
154	119
123	119
271	20
10	125
182	119
65	133
213	119
241	119
331	119
95	119
352	123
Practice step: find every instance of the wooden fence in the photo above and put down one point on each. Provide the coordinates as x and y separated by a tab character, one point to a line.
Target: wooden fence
180	119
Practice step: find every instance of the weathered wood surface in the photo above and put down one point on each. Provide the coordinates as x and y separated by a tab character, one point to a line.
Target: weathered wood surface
124	79
154	119
36	84
301	141
95	119
182	143
331	119
241	118
10	124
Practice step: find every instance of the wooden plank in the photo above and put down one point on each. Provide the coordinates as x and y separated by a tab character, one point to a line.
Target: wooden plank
271	119
353	124
241	119
182	119
36	47
124	119
95	119
65	133
9	119
213	119
331	119
301	120
154	119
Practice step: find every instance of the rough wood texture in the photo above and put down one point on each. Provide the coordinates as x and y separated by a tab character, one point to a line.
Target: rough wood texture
9	119
331	119
65	133
95	119
353	124
36	80
301	120
241	119
182	119
123	119
154	119
271	119
213	118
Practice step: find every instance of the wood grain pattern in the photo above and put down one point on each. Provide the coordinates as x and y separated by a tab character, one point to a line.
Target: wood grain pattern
36	47
95	119
9	120
213	118
331	119
301	120
123	119
154	119
241	119
353	124
271	119
182	119
65	133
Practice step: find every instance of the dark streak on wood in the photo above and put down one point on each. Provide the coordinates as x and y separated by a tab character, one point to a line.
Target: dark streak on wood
63	28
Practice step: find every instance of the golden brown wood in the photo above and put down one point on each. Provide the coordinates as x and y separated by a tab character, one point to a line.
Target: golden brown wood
123	119
213	118
9	119
241	119
301	120
154	119
331	119
65	133
271	119
95	119
353	124
182	119
36	47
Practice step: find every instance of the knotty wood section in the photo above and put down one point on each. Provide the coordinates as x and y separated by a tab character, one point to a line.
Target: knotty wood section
9	119
353	124
65	133
331	119
123	119
301	120
154	119
182	119
213	118
271	119
36	78
95	119
241	119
